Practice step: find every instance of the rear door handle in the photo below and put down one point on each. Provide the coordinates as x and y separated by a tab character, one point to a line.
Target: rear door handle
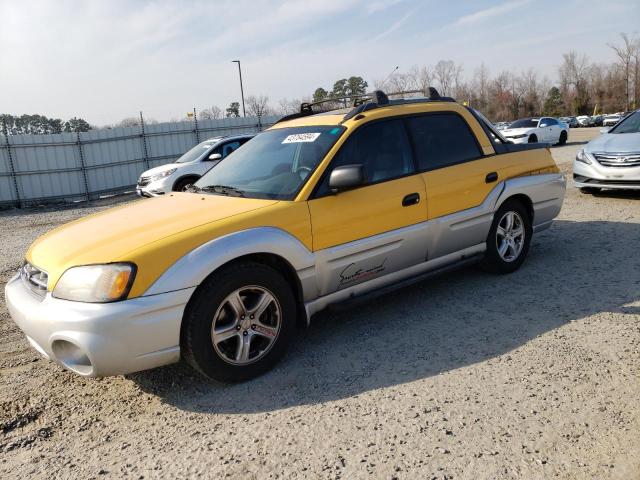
491	177
411	199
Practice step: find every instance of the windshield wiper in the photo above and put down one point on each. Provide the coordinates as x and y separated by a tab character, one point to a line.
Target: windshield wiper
223	190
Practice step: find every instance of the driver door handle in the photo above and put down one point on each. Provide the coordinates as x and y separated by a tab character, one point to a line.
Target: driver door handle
411	199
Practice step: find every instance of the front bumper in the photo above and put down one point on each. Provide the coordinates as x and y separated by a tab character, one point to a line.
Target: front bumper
157	188
96	340
599	176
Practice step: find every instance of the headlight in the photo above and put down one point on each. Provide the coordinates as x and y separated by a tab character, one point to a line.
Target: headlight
166	173
583	157
519	136
96	283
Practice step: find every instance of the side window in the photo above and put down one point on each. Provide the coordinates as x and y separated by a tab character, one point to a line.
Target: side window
227	148
382	148
546	122
441	140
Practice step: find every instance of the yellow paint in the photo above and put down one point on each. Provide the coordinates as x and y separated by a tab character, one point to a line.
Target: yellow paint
155	233
366	211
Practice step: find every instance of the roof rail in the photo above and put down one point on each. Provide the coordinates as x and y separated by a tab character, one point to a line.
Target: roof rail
368	101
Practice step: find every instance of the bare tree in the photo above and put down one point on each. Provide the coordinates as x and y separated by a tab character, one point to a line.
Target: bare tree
212	113
447	75
258	106
128	122
287	107
626	54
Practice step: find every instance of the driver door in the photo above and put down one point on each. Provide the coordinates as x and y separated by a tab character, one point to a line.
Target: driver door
374	229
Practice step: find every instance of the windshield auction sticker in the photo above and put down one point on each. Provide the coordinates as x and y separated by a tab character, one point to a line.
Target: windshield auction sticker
301	137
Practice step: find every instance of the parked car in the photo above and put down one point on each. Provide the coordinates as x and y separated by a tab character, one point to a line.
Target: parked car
585	121
597	120
533	130
571	121
181	174
611	120
612	160
317	210
501	125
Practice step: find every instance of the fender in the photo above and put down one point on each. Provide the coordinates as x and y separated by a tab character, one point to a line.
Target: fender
546	192
190	270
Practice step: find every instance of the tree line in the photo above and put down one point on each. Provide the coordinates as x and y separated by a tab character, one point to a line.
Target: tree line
582	87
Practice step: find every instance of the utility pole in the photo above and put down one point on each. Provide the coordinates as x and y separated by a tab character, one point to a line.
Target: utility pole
244	113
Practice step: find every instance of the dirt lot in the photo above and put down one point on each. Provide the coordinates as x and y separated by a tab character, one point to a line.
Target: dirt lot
535	375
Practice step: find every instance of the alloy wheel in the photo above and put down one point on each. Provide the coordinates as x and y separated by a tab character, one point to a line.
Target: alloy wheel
510	236
246	325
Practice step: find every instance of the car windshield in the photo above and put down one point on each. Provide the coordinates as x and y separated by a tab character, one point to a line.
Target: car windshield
198	151
631	124
274	164
525	123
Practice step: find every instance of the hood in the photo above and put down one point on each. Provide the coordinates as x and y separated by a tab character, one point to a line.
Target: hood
160	169
516	131
112	235
615	143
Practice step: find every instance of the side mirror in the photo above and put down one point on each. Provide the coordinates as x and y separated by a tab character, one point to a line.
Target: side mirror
605	130
215	156
346	177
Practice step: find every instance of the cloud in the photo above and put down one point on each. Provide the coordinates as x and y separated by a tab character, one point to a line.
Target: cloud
379	5
482	15
395	26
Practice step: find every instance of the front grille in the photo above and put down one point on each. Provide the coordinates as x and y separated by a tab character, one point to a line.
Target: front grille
34	279
144	181
618	159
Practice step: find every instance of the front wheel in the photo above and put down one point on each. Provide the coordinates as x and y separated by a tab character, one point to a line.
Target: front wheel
239	323
533	139
184	183
509	238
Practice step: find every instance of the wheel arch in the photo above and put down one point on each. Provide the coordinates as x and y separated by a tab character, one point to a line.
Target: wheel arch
525	200
183	177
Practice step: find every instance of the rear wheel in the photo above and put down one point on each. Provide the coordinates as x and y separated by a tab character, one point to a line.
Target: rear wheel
589	190
184	183
239	323
563	138
533	139
509	238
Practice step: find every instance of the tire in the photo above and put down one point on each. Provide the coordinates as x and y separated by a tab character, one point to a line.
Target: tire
496	262
589	190
220	356
533	139
563	138
182	184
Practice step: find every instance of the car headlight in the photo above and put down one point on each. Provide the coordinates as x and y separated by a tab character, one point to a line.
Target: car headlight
583	157
519	136
164	174
96	283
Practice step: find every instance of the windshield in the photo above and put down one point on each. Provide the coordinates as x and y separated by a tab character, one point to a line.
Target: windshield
274	164
198	151
525	123
631	124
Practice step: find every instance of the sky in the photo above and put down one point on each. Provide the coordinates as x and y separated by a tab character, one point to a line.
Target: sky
108	60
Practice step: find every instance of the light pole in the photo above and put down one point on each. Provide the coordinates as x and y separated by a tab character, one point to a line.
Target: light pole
244	113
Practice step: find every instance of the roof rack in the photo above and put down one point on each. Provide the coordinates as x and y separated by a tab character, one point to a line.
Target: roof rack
368	101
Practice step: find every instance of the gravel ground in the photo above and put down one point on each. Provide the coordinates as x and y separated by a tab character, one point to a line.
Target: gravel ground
533	375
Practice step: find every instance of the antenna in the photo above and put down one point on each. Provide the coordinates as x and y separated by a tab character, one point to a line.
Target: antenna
389	76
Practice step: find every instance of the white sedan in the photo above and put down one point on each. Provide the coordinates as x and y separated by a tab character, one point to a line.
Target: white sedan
533	130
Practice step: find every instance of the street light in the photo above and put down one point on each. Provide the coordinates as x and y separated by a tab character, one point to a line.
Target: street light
244	113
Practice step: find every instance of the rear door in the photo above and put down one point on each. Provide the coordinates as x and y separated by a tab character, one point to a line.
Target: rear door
372	230
458	178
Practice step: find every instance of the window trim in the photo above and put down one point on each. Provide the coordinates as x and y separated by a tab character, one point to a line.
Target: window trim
315	192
